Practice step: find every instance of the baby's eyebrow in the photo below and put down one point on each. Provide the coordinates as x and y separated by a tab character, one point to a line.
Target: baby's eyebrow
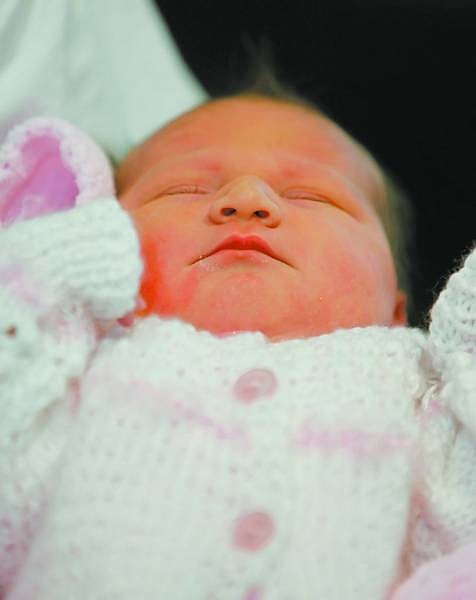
286	166
292	166
204	163
207	164
296	169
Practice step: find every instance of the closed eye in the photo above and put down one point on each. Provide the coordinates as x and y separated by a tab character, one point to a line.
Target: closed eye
184	189
321	199
307	196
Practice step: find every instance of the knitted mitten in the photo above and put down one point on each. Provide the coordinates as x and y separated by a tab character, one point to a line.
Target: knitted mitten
48	165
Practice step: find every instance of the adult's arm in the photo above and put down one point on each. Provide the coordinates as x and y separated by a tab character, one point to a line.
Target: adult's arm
110	67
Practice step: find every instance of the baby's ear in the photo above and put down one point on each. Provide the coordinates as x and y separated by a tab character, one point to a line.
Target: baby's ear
400	310
48	165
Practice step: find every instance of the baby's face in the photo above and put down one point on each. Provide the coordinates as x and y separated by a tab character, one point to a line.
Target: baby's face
255	167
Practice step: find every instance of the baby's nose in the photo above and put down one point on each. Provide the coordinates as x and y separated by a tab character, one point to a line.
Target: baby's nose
247	197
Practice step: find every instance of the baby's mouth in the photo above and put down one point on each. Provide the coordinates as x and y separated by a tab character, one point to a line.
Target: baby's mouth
244	247
229	256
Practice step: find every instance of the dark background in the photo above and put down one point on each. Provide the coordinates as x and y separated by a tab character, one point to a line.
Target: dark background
399	75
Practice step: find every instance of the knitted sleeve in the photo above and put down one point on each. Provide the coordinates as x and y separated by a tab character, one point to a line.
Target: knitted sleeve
453	317
59	274
452	345
446	515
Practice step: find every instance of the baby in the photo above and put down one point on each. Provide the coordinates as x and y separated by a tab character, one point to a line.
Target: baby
305	194
259	424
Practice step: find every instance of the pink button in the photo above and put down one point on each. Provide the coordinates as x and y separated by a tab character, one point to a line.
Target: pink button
254	384
253	531
253	593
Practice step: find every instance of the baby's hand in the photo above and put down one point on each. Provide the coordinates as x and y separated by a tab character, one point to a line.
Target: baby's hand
48	165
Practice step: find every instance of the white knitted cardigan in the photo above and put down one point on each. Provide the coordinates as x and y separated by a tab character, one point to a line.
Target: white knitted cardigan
162	462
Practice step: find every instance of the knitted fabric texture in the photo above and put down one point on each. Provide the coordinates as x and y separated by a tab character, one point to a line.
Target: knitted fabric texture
159	461
47	164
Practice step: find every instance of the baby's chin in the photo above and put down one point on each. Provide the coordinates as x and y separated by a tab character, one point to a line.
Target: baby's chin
244	304
229	323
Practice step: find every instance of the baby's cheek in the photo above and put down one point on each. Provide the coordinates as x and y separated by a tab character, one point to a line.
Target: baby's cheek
152	289
186	291
375	296
147	288
355	285
164	290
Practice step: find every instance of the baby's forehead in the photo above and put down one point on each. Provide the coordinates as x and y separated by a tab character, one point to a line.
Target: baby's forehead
223	122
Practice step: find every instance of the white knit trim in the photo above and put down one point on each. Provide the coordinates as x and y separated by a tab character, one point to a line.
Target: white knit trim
89	165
